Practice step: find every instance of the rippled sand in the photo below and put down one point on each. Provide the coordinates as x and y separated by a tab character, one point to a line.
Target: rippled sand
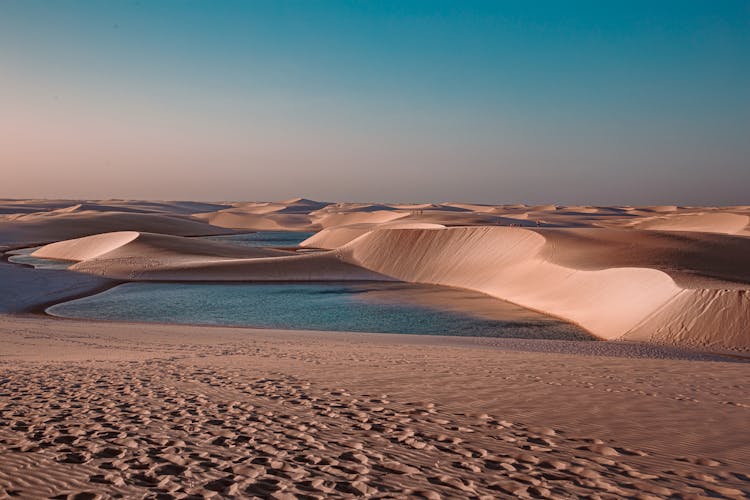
104	409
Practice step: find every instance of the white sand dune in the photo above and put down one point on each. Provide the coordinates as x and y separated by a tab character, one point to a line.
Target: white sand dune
293	206
626	290
507	263
134	245
88	247
337	236
692	259
359	217
289	215
699	317
702	222
238	219
453	218
35	228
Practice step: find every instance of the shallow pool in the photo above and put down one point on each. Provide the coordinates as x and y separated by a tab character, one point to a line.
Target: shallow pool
360	307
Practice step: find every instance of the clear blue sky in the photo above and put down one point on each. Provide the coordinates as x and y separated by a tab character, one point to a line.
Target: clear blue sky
567	102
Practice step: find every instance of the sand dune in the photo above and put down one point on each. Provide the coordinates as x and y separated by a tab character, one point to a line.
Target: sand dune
359	217
692	259
140	206
703	222
88	247
236	218
337	236
293	206
287	215
506	263
630	288
36	228
134	245
11	206
451	218
699	317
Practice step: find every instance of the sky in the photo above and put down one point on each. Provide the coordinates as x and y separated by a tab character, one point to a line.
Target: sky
617	102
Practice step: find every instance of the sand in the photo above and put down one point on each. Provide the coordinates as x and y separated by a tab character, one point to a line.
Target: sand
101	409
148	409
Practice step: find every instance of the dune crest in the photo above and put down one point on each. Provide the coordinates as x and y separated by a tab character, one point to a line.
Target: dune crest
88	247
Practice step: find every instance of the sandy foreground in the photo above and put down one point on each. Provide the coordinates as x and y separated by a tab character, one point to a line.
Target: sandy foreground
174	411
132	410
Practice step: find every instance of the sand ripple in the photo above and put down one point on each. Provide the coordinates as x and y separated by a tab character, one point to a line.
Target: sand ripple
164	429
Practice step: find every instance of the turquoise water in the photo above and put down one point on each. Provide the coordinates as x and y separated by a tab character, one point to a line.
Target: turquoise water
370	307
264	238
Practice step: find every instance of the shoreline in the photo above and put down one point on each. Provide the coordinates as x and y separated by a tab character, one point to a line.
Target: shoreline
592	348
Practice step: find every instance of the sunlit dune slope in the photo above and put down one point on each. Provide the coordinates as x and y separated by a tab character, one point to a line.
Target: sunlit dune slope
622	294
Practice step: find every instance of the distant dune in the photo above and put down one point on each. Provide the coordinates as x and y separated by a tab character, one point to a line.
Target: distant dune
75	221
